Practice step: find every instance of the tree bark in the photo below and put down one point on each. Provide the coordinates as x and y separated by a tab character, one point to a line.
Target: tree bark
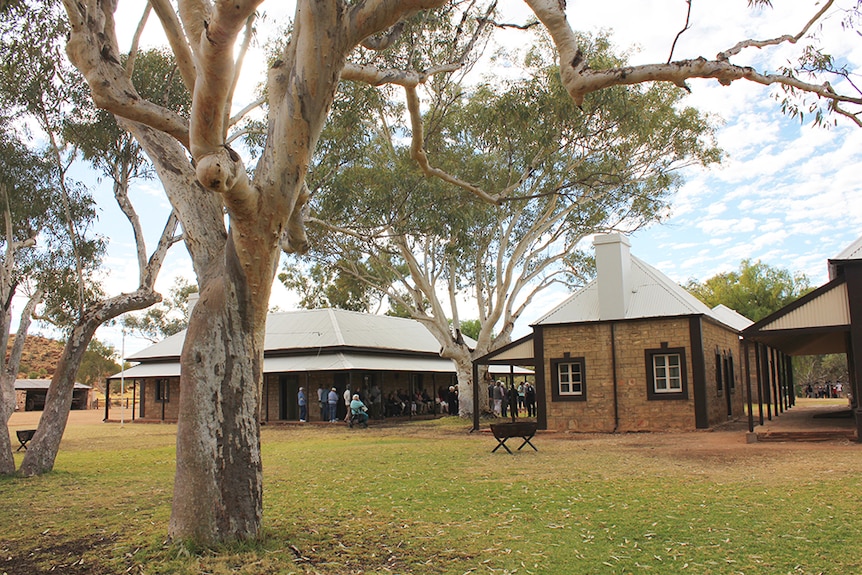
218	484
7	384
43	448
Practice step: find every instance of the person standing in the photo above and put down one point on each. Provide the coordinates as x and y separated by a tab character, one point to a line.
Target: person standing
348	395
452	400
303	405
322	402
530	399
332	401
497	395
376	402
512	397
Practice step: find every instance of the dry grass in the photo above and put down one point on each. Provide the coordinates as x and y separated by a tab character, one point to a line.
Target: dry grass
428	497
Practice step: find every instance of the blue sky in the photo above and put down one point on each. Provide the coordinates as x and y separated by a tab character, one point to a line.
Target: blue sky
787	194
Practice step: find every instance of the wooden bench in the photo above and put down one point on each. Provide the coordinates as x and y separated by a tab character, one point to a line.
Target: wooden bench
24	437
505	431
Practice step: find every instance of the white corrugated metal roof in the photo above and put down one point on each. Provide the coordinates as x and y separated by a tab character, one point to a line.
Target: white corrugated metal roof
157	369
339	361
653	295
350	361
323	328
851	252
831	308
731	317
24	384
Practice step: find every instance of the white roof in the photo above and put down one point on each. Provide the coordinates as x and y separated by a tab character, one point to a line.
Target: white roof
23	384
321	340
851	252
321	329
731	317
339	361
653	295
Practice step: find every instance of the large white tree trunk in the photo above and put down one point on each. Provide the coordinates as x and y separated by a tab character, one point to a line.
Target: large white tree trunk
218	484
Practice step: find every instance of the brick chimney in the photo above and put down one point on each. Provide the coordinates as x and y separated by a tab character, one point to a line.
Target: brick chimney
613	267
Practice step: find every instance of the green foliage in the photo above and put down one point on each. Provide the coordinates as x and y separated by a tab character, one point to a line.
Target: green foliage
818	369
755	291
322	286
104	143
166	318
98	363
815	65
25	189
471	328
39	86
563	172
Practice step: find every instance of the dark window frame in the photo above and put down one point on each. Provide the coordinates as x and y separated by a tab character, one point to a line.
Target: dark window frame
731	373
556	394
719	373
163	390
649	356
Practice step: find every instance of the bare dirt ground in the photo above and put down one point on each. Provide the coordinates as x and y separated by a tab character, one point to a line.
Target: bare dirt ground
808	416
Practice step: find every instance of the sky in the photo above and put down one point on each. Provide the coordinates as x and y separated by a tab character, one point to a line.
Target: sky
787	194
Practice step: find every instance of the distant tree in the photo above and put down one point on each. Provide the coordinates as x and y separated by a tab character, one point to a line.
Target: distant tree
755	290
471	328
567	172
819	369
31	229
321	286
50	93
98	363
166	318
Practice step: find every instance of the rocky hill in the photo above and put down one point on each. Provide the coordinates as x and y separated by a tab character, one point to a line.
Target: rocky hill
40	357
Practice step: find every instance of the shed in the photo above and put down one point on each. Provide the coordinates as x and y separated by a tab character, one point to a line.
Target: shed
30	394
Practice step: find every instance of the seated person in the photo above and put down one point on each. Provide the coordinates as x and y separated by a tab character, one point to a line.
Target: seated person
358	408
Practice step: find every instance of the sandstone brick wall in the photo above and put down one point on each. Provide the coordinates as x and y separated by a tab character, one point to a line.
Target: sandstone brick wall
718	339
152	409
636	411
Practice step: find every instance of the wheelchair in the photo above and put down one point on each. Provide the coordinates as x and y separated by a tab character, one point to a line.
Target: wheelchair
360	419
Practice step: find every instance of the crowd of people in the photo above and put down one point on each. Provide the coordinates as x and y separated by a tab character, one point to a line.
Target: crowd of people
372	404
397	403
826	389
512	400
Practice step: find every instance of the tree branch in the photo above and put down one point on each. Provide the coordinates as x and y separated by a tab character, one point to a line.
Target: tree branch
681	32
91	48
580	80
775	41
215	76
133	50
246	42
179	45
373	16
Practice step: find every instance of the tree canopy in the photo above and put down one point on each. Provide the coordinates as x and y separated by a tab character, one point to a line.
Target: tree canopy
755	290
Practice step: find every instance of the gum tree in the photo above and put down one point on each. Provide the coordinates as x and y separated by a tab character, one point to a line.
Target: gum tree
217	490
609	166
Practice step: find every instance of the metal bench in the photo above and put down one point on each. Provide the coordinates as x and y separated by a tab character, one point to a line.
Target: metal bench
24	437
505	431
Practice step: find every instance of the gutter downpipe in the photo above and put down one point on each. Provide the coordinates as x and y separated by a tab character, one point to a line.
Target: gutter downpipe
614	372
475	398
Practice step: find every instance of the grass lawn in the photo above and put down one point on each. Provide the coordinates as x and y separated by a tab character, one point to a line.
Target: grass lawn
427	497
